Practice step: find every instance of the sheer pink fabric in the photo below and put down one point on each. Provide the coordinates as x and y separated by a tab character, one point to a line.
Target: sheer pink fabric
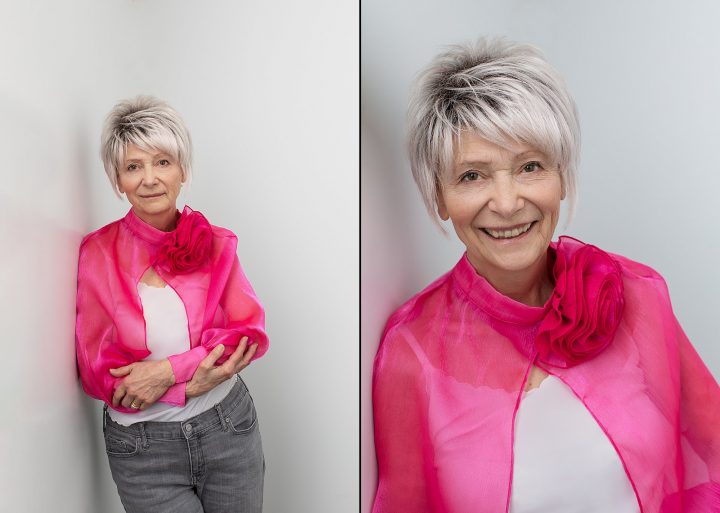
449	375
110	328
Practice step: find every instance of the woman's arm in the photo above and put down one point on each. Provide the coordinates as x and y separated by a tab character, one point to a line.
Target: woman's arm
146	382
243	317
699	429
402	443
97	346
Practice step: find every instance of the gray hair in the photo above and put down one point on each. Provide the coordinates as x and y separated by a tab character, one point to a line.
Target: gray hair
149	124
502	91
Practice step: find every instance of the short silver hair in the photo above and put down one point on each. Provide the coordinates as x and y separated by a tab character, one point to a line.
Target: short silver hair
504	92
149	124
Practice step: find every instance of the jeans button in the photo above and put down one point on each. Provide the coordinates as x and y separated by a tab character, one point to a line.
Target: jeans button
188	428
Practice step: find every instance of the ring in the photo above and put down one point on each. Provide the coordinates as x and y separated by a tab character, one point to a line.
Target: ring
133	406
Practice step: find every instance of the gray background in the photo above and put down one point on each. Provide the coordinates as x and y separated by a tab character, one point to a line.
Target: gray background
269	91
646	79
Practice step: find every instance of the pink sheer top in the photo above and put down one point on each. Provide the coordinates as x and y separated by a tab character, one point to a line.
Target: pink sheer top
110	328
448	380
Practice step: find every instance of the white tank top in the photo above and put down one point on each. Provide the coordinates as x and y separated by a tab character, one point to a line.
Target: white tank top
563	461
166	329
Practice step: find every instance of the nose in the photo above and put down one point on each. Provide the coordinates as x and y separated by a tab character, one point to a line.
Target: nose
149	178
505	198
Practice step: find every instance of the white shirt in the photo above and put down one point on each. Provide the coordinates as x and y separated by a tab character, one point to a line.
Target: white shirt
166	328
563	461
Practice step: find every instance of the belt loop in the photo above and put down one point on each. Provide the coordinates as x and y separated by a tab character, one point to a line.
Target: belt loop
141	425
220	413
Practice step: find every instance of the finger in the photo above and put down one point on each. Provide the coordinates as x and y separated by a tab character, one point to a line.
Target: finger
230	367
209	361
239	352
121	371
118	395
248	356
127	401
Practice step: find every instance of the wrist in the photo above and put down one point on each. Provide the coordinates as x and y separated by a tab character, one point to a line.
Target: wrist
169	375
189	389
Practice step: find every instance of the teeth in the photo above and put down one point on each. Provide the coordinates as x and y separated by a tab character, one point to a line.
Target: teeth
507	234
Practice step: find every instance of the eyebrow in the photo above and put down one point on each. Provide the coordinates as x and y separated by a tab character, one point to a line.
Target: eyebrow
157	155
520	156
476	163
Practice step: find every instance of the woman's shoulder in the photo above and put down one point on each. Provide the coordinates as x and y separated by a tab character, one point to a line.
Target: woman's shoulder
101	235
222	233
635	269
417	311
641	277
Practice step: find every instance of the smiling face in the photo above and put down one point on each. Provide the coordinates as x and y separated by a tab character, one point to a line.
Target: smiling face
504	203
151	182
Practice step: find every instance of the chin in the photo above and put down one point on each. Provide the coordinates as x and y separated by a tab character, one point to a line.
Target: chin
520	260
154	209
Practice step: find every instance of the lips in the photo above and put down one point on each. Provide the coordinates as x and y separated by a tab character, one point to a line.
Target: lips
508	233
150	196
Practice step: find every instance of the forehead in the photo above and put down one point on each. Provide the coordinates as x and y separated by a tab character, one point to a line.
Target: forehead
133	152
473	148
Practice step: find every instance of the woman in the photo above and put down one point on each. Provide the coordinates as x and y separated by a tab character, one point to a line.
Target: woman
535	376
165	321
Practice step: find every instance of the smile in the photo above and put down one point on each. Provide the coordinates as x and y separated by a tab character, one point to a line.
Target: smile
150	196
510	233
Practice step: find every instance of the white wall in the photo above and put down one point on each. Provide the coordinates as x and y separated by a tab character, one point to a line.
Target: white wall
269	91
646	81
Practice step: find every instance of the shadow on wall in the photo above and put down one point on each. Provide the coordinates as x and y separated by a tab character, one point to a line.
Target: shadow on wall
55	453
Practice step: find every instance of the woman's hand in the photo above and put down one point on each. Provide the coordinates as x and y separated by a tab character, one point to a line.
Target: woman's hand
144	383
208	376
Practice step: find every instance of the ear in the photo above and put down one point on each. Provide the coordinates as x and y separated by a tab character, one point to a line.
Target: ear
441	207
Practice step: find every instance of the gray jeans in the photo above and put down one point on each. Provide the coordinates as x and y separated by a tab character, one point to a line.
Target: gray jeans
210	463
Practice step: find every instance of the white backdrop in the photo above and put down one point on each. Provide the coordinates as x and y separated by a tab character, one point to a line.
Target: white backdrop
645	76
269	91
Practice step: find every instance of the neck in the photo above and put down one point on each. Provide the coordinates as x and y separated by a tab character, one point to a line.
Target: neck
164	221
532	286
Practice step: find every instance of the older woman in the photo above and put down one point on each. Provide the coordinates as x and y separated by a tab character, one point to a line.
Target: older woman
535	376
165	321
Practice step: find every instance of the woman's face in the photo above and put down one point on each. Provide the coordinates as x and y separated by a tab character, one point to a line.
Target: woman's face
151	182
504	203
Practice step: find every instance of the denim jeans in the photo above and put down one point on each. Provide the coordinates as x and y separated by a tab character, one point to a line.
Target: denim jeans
210	463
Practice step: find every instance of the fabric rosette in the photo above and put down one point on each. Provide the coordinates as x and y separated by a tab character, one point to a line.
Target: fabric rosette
585	309
188	247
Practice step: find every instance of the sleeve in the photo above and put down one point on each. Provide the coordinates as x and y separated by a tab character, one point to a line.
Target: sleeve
699	430
402	442
242	316
96	345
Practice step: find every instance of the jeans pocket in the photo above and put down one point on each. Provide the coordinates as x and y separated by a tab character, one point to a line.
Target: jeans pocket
242	419
121	444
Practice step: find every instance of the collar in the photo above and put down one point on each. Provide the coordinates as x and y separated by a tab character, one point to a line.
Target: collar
495	304
144	231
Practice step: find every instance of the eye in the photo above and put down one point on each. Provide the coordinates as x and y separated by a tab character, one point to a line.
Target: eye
164	162
132	167
531	166
470	176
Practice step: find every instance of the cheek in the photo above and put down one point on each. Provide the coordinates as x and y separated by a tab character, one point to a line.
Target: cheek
174	182
462	209
125	184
